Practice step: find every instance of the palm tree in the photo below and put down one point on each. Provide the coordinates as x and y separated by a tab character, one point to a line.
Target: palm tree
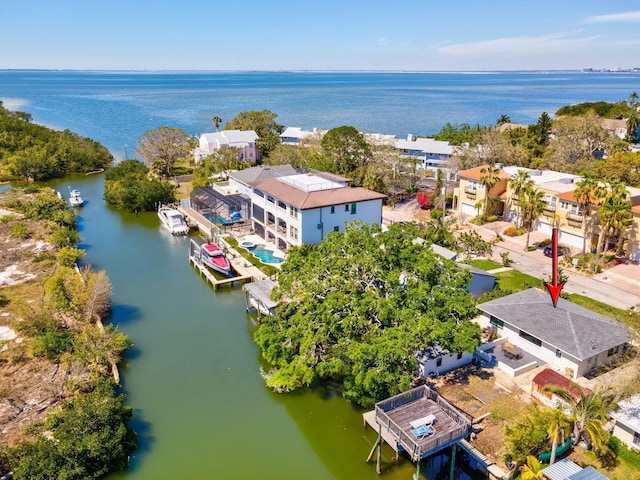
633	98
518	182
587	192
632	126
503	119
532	470
556	432
216	121
490	178
587	416
532	205
615	214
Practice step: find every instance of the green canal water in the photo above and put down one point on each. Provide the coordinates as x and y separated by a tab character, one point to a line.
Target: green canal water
201	408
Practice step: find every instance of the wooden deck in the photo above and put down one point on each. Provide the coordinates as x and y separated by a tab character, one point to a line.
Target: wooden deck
395	415
241	276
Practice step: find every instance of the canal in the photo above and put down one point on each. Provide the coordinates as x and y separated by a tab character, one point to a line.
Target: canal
193	373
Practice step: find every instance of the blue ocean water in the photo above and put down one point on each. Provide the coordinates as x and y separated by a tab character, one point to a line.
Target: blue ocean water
115	108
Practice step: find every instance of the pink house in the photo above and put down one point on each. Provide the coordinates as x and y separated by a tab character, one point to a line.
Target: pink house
243	141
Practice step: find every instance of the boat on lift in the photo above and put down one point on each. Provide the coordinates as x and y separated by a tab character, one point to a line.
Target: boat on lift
173	220
213	257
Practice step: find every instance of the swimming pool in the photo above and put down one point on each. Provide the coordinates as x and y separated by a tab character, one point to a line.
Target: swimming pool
216	219
266	256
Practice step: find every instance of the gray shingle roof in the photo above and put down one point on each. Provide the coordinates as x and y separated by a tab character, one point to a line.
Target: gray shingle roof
569	327
262	171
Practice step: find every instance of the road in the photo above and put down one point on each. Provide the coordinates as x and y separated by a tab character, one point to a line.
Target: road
620	289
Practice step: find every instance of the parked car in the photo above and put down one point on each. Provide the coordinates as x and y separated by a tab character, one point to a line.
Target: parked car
548	251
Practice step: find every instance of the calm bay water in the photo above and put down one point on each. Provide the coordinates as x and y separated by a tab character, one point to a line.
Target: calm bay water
193	374
116	108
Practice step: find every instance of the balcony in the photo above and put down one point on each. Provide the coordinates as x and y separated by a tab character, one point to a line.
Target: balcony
470	191
574	219
549	210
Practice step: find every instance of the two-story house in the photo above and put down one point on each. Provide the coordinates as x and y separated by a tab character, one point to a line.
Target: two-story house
470	196
432	154
303	208
243	141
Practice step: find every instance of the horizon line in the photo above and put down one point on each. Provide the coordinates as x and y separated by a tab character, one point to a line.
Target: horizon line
568	70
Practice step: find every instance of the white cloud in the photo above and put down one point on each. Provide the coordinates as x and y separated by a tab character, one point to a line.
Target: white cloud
545	44
627	17
383	41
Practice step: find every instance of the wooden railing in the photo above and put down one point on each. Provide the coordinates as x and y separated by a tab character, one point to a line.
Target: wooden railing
409	443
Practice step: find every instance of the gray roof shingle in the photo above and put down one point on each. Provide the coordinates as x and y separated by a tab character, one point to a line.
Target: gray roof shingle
569	327
262	171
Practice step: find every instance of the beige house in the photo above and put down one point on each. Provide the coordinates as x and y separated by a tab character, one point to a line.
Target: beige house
562	209
470	196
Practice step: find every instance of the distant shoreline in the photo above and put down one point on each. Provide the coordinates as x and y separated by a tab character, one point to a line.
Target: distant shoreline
635	70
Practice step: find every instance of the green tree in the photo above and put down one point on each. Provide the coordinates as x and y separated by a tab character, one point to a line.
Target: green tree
621	165
614	214
531	205
348	149
503	119
632	126
347	316
519	182
263	122
216	122
490	176
88	437
532	469
162	148
633	98
128	188
588	191
588	415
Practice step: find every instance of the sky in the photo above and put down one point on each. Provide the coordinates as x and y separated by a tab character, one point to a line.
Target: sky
392	35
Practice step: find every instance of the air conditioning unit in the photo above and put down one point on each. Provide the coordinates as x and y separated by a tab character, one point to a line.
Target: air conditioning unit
319	226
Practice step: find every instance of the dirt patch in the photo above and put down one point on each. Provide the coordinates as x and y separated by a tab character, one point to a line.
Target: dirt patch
475	390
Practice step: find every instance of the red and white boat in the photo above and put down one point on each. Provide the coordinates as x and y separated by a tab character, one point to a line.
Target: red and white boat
213	257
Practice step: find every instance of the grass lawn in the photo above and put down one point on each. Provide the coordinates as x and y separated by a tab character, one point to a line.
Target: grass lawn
514	281
629	318
485	264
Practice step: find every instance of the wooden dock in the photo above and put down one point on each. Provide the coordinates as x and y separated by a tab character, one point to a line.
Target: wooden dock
242	276
392	419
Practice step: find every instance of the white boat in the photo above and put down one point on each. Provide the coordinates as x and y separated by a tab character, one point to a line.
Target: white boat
75	199
173	220
213	257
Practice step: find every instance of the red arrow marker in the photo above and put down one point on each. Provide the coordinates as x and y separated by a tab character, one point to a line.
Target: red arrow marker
555	287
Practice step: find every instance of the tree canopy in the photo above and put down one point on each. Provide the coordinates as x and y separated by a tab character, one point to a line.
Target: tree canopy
127	187
263	122
162	148
359	306
35	152
348	149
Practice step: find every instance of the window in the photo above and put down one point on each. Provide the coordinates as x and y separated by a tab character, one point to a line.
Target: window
496	322
281	204
636	438
613	351
346	207
550	200
259	193
353	208
530	338
336	228
439	362
571	207
294	212
294	233
558	353
333	209
270	199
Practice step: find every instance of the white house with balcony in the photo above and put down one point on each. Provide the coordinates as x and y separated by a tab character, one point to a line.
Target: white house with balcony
244	141
303	208
432	154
